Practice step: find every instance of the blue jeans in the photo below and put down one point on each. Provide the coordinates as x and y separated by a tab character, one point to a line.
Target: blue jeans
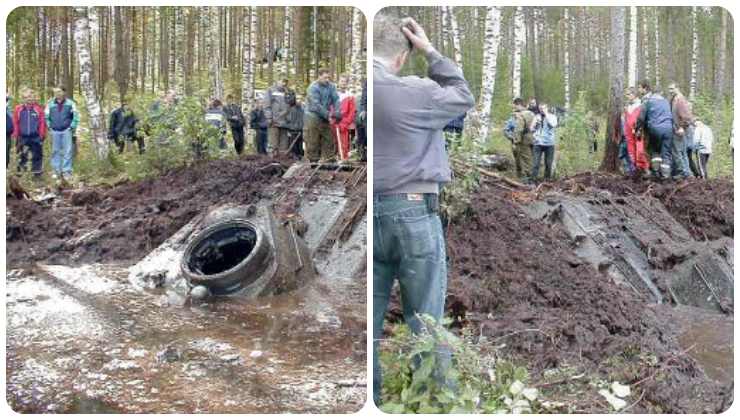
680	164
408	245
549	152
61	152
627	165
662	140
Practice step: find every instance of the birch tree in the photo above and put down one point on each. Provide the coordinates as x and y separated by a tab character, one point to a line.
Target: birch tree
632	61
694	52
455	34
214	58
249	59
356	59
721	69
566	57
478	125
518	46
657	48
616	91
95	112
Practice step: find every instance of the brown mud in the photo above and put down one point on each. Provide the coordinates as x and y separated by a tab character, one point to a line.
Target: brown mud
519	282
125	222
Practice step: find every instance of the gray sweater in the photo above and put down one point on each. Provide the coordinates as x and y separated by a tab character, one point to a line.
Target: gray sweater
409	114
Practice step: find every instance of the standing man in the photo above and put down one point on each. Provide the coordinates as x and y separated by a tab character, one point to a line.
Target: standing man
703	140
361	123
258	123
656	122
635	138
62	119
122	127
521	145
683	119
340	128
321	106
276	109
8	130
544	141
235	118
29	131
410	165
294	124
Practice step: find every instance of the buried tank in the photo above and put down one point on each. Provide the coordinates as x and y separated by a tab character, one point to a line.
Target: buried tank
234	250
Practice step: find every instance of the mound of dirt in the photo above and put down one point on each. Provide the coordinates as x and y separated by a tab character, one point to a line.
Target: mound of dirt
520	282
125	222
704	207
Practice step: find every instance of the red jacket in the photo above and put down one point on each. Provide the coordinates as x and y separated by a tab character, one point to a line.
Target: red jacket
21	126
348	109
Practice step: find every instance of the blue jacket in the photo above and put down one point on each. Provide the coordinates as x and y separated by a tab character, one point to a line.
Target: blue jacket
544	134
457	124
655	114
509	128
322	97
60	118
8	123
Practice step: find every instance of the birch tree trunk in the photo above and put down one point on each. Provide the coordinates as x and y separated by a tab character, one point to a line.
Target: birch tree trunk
610	163
214	58
518	47
249	58
455	33
96	118
657	48
632	61
287	58
721	67
694	52
477	126
357	60
645	42
566	57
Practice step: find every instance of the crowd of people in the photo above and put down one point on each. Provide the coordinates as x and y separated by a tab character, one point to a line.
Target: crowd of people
332	123
659	138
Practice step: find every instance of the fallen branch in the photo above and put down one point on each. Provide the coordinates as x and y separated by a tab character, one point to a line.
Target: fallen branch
491	174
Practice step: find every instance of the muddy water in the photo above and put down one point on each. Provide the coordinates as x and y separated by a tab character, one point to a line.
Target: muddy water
709	336
73	347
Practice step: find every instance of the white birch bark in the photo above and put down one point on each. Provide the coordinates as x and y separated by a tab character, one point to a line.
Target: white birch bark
214	57
357	59
518	47
645	39
286	63
720	77
632	60
180	53
657	48
455	33
248	59
479	125
566	58
95	112
694	52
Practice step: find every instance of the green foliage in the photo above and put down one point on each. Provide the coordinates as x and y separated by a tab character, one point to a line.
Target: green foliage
418	379
574	140
455	198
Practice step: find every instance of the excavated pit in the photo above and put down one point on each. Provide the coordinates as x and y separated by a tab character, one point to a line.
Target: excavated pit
566	280
100	315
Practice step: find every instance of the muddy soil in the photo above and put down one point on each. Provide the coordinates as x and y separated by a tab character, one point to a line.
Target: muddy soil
125	222
519	281
704	208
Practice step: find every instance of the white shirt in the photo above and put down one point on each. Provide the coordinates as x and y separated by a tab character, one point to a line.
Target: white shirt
703	139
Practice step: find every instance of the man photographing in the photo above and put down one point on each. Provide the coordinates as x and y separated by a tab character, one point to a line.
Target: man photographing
410	164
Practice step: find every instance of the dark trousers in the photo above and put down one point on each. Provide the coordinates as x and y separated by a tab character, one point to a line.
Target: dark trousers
121	142
8	145
549	152
260	140
35	147
296	139
362	142
694	162
238	134
703	162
